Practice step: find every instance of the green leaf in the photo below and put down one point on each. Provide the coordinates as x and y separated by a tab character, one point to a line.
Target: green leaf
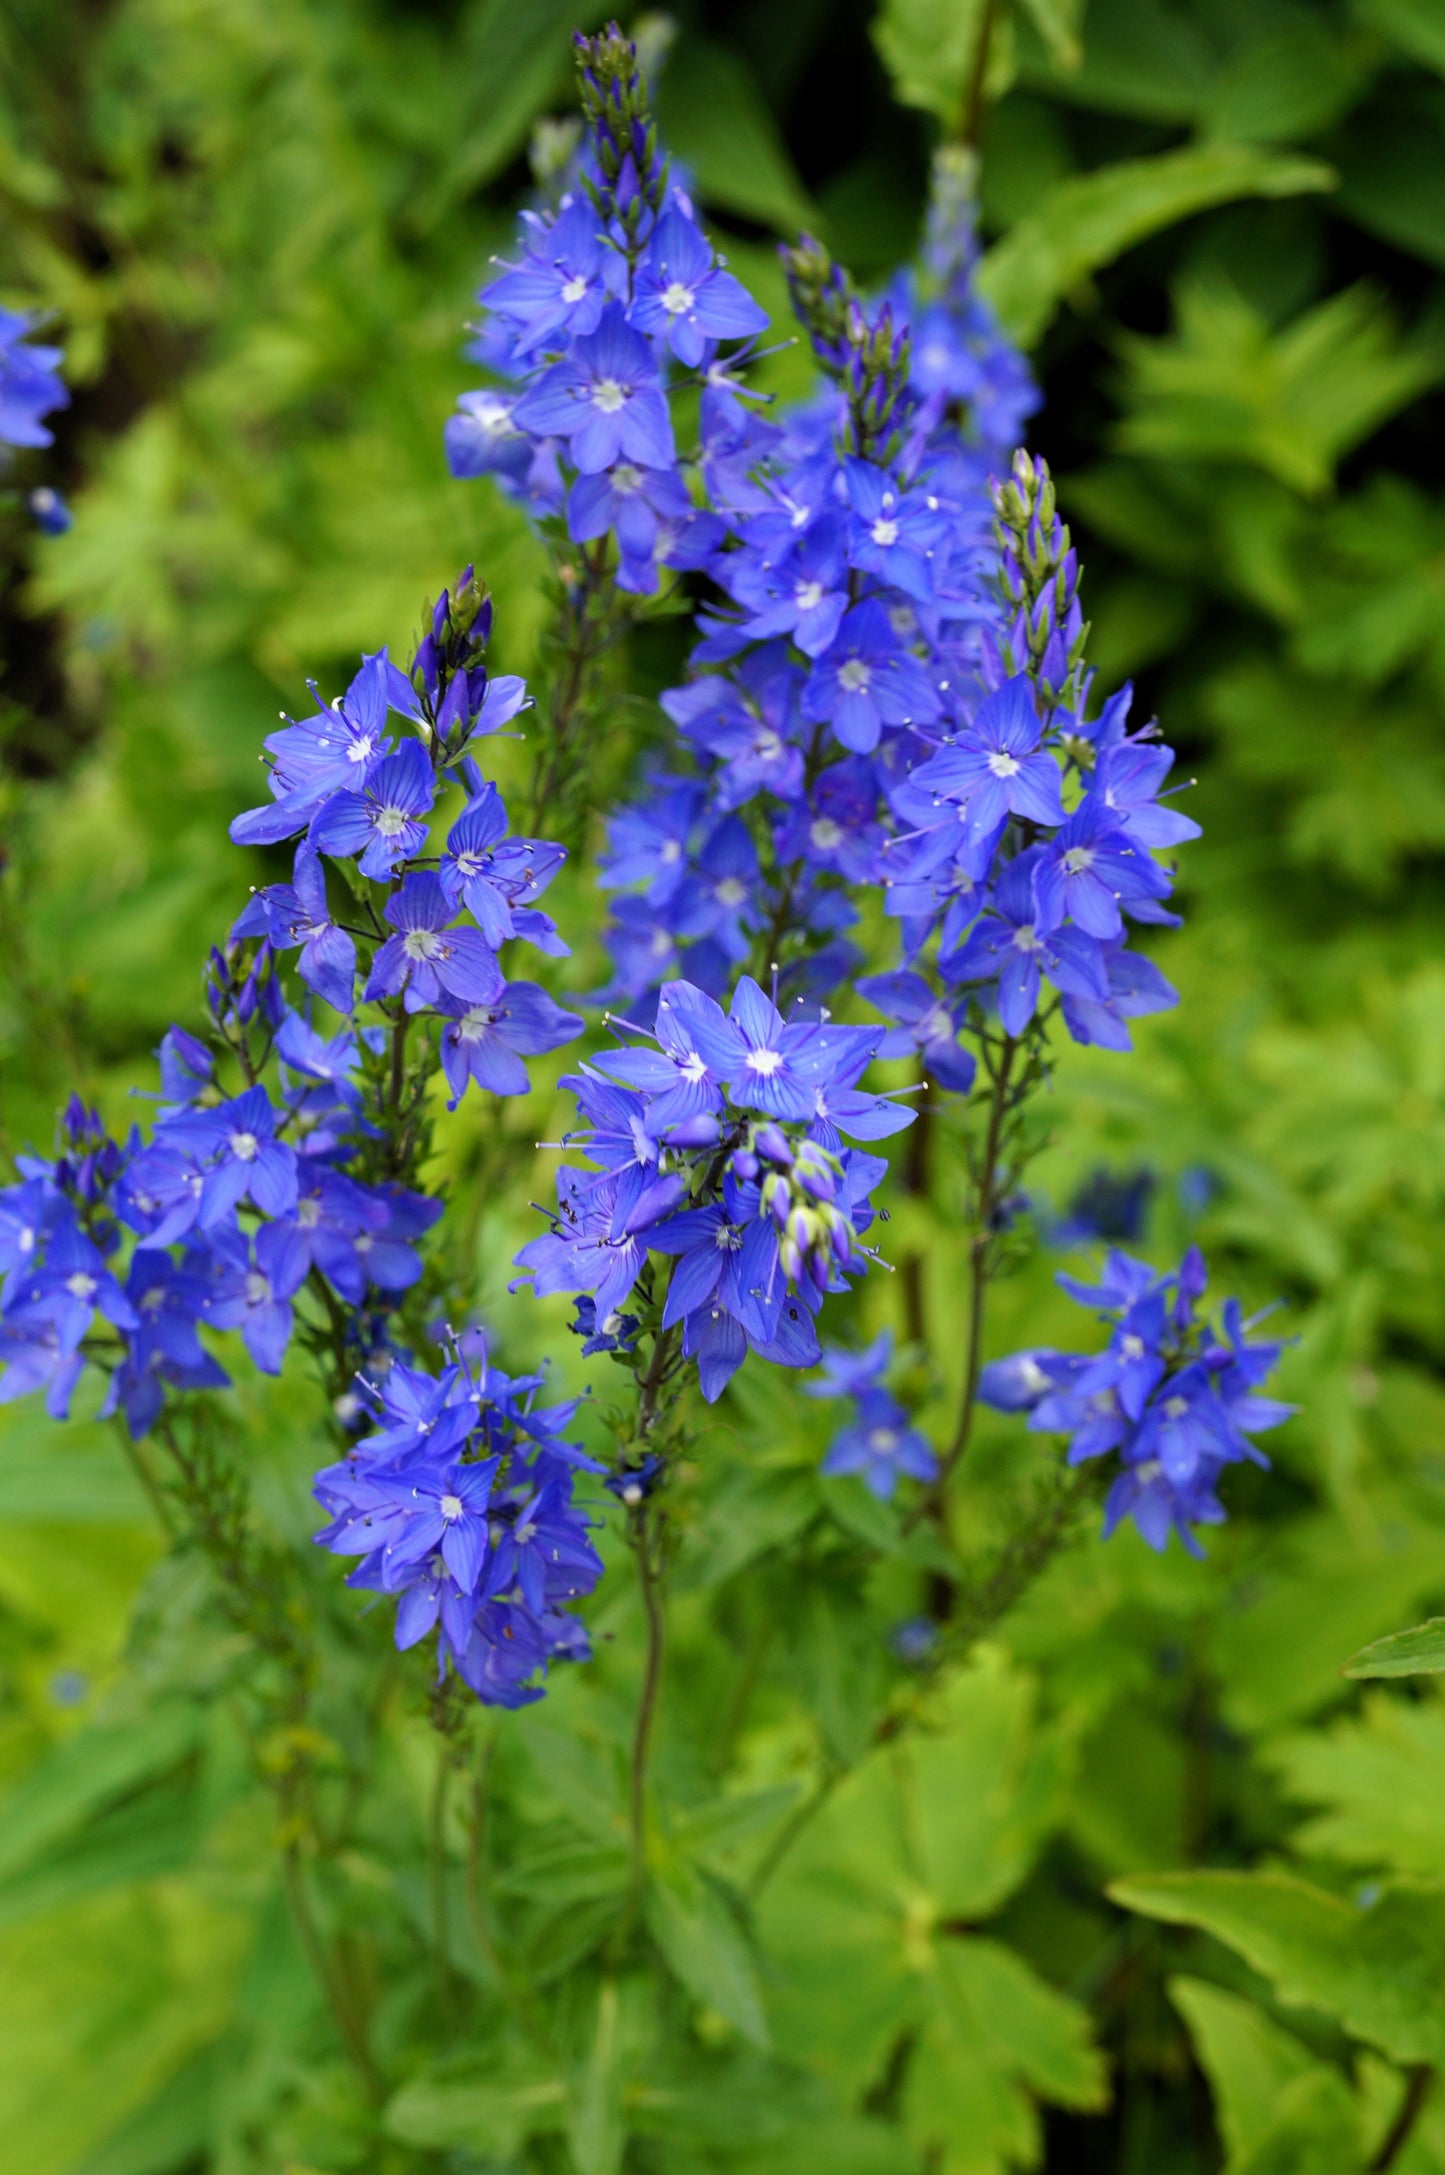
1417	1652
1226	387
1392	175
1313	2130
493	2112
930	49
1378	1970
1381	1779
1057	23
1089	220
1417	27
706	1947
997	2036
714	117
1248	2059
85	1772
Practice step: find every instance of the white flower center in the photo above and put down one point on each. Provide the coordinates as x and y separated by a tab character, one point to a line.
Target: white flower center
451	1506
360	750
671	853
422	944
626	479
80	1286
1027	940
855	676
731	891
1132	1347
469	865
609	396
693	1068
258	1291
1175	1407
935	1025
882	1441
1078	860
764	1062
473	1025
826	834
308	1213
26	1241
727	1239
391	821
808	596
1003	765
494	415
677	299
575	288
244	1147
884	531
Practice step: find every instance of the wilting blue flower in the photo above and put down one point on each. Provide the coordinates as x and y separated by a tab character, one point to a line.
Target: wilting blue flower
930	1023
297	913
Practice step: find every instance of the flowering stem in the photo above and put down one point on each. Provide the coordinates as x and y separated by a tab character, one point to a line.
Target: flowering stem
972	118
649	1570
587	633
987	1183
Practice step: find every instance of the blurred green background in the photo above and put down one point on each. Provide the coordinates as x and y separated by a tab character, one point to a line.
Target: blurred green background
1220	227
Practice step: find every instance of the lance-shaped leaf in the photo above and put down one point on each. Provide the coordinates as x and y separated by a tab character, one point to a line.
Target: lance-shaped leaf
1414	1653
1086	222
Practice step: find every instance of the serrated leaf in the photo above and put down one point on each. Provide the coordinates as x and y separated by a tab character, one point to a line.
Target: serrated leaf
1381	1782
1086	222
1247	2057
1417	1652
1378	1970
1227	387
706	1948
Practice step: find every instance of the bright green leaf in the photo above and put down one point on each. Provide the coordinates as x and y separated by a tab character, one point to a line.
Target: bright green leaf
1313	2130
706	1947
1247	2057
1227	387
1088	221
1378	1970
1417	1652
1417	27
493	2111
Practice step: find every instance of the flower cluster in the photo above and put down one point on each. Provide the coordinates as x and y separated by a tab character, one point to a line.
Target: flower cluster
275	1190
880	1442
1174	1399
460	1504
714	1142
615	302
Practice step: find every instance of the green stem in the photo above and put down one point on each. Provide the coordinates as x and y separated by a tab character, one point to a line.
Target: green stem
336	1992
972	119
438	1841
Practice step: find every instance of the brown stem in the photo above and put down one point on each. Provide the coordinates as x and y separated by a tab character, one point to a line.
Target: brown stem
1417	2091
971	122
918	1185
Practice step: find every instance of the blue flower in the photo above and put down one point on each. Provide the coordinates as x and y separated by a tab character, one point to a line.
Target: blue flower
996	768
386	821
565	279
868	679
297	914
682	295
605	400
242	1158
1008	944
893	533
30	386
427	957
487	1041
882	1446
